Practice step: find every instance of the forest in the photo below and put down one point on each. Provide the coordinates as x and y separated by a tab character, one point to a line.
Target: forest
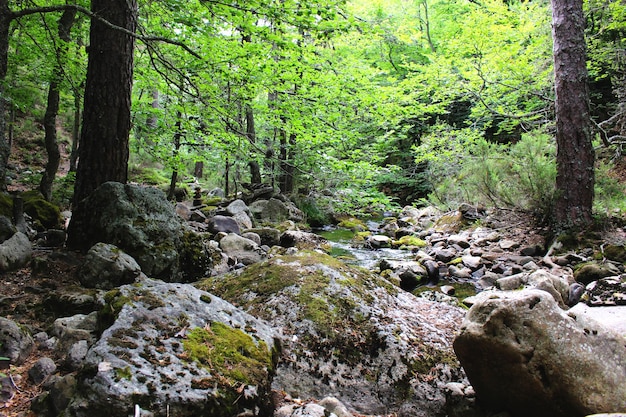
359	106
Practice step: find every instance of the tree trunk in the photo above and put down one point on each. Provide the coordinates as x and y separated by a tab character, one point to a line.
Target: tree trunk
198	170
575	155
75	132
255	170
5	148
171	194
50	118
103	152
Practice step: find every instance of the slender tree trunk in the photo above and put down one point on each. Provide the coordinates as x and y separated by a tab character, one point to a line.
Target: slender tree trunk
75	131
5	148
171	194
66	21
103	152
575	155
255	170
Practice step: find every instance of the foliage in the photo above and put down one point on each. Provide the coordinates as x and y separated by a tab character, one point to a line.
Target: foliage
520	176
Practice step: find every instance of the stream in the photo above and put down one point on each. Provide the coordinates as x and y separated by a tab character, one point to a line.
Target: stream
341	243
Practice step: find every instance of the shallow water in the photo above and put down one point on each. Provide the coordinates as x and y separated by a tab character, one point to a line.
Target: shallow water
342	248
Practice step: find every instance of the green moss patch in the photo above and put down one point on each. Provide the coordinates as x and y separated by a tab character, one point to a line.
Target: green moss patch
229	353
409	242
42	211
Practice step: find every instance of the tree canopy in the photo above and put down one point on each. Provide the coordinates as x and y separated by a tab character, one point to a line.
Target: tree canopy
386	102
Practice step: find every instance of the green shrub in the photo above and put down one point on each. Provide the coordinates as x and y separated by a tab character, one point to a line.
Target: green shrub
520	176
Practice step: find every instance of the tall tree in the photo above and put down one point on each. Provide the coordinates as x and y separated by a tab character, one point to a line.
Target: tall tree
103	153
5	148
575	155
66	21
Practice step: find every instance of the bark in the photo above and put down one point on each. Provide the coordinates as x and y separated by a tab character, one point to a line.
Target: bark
171	194
103	153
255	170
5	148
75	132
50	118
575	155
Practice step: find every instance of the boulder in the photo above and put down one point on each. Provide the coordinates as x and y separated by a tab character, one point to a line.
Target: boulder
237	206
41	369
15	252
524	354
223	224
106	266
6	228
349	334
176	350
241	249
275	210
139	220
301	240
15	343
269	236
200	257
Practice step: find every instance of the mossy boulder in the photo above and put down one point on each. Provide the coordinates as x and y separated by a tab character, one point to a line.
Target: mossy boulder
175	350
45	214
349	333
592	271
199	258
615	253
139	220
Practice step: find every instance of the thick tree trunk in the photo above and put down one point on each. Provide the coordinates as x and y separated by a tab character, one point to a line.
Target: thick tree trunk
50	118
103	152
5	147
75	132
575	155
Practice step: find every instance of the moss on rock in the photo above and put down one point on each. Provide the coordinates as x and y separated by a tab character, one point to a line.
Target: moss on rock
229	353
42	211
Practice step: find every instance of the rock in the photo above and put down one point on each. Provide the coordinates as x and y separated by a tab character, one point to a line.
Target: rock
15	343
6	228
177	351
592	272
70	330
253	237
613	317
236	207
42	369
269	236
379	241
200	257
106	266
523	354
183	211
243	220
223	224
197	216
76	355
507	244
138	220
45	214
216	192
15	252
275	211
341	325
55	238
241	249
334	406
444	255
301	240
472	262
